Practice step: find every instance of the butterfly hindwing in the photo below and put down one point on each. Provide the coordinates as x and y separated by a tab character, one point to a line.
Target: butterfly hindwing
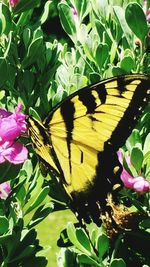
83	133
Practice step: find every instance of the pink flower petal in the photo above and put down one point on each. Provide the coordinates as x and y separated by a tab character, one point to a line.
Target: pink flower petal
12	125
9	129
148	15
127	179
2	159
18	108
4	113
120	157
20	118
3	148
138	184
5	190
141	185
13	3
16	154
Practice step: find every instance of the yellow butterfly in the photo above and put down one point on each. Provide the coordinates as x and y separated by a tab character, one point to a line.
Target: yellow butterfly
79	138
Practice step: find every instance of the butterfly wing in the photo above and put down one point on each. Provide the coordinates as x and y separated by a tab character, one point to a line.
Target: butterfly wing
85	131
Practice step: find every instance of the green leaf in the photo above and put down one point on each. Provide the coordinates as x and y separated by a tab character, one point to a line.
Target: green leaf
113	52
5	19
116	71
137	158
4	225
103	33
102	55
78	81
118	263
40	214
26	37
146	163
28	80
5	238
20	193
11	72
45	14
35	185
66	18
56	192
82	8
61	94
28	251
27	169
145	224
2	94
120	13
33	52
146	144
66	258
102	245
85	259
9	171
3	71
32	112
24	5
38	261
136	20
14	216
83	239
127	64
28	236
38	200
63	240
94	77
94	232
134	140
71	232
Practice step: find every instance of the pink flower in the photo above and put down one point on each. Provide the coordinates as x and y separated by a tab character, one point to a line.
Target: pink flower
141	185
120	157
12	125
15	153
138	184
13	3
5	190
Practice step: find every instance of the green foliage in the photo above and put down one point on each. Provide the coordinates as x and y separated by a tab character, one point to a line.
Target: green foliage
19	239
127	250
138	24
107	43
90	247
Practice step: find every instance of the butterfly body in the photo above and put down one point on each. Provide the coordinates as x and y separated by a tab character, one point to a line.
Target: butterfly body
79	139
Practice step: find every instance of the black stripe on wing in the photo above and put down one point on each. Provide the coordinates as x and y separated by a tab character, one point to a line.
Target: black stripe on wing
37	130
67	111
102	93
140	98
88	100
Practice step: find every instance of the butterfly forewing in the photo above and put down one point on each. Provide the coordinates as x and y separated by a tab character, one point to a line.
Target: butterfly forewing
87	128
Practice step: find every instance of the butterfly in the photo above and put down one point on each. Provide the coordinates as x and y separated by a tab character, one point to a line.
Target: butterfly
79	138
